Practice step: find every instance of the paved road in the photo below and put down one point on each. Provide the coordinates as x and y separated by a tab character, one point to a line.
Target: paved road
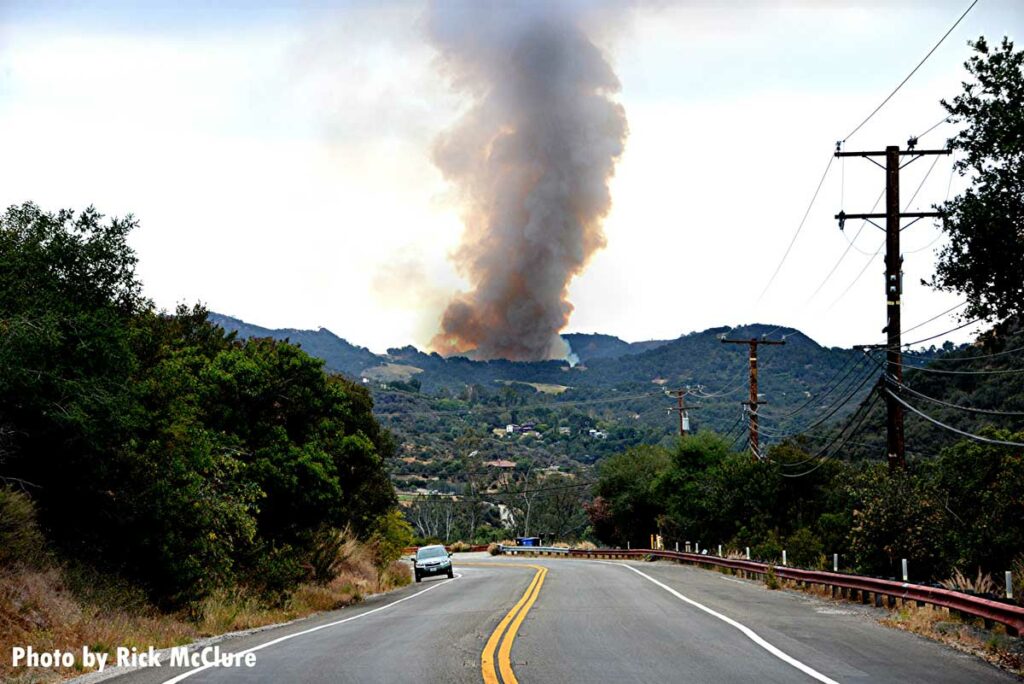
587	621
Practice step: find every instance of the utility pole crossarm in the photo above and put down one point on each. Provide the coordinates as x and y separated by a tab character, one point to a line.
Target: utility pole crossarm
754	341
907	214
882	153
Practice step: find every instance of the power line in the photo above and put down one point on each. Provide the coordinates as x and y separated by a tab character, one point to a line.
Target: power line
942	425
921	184
836	406
923	323
827	457
969	409
951	359
941	121
798	228
959	327
851	365
849	246
995	371
914	71
856	278
859	416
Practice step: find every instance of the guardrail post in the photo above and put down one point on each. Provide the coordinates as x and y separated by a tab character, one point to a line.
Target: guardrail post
1009	584
905	575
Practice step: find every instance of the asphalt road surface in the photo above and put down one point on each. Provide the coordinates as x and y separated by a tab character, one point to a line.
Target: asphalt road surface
561	620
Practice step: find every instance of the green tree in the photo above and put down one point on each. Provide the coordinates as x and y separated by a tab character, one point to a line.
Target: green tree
391	535
981	487
627	501
986	244
898	515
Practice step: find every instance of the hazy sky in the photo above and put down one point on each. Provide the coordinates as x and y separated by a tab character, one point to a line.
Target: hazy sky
278	156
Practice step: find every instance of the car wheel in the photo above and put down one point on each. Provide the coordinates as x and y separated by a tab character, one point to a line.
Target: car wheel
418	578
451	574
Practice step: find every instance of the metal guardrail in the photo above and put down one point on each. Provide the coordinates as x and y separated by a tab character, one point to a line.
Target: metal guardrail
537	550
408	550
881	591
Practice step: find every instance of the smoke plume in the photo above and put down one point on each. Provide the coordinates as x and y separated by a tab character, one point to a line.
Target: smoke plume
531	159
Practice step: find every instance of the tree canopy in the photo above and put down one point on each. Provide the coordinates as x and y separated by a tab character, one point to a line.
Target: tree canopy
157	445
985	224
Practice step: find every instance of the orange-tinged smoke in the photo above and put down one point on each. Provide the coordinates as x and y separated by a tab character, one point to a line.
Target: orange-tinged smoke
531	160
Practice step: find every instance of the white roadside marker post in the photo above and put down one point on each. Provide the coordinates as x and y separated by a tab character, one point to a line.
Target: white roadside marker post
835	562
905	574
1009	584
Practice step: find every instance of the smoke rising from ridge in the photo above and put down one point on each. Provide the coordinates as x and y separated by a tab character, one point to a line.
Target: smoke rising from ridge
531	159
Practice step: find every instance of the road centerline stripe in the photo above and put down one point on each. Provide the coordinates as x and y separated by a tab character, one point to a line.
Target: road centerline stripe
505	652
506	636
749	633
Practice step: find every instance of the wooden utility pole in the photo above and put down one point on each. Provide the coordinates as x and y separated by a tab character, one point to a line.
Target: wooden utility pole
681	409
893	284
754	402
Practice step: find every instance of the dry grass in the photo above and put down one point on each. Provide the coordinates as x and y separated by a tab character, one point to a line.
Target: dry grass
992	645
460	547
586	546
39	608
982	584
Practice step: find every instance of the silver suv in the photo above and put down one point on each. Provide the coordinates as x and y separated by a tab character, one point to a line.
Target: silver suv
432	560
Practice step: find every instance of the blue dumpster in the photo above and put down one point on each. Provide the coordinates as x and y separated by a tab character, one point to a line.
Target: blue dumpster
528	541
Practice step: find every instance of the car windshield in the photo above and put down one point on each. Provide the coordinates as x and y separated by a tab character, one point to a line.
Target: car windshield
431	552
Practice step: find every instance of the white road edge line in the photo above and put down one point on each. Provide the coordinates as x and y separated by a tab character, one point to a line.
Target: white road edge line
185	675
751	634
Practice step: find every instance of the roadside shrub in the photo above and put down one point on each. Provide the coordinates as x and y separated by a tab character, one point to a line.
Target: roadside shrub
899	516
391	535
982	584
586	545
804	549
494	549
331	549
771	580
20	539
769	550
459	547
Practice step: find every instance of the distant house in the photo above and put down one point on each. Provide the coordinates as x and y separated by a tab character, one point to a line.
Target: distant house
565	431
512	428
500	463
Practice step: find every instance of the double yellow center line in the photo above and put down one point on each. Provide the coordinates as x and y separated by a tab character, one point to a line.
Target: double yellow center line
505	633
